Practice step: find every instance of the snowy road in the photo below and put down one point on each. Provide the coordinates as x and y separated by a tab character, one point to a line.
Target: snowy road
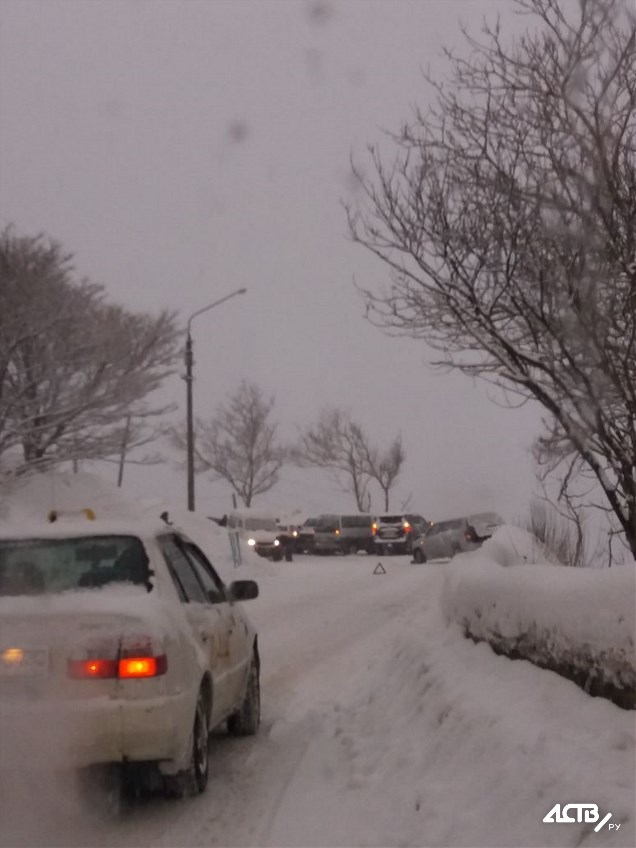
380	727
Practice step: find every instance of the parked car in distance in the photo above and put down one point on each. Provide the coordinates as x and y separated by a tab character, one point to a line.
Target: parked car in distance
395	532
306	533
346	534
120	650
447	538
258	530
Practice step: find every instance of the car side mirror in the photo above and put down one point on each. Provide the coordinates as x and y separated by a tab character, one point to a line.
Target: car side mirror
243	590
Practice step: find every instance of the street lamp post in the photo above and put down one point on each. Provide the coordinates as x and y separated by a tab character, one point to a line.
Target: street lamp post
189	361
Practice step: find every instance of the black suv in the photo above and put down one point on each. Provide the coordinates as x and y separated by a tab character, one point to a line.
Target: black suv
394	533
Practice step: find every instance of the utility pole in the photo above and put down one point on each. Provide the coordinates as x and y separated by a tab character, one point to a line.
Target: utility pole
189	379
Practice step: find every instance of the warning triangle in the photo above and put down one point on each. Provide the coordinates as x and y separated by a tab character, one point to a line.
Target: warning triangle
379	569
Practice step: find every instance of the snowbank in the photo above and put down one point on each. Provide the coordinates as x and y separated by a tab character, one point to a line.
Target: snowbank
513	546
577	622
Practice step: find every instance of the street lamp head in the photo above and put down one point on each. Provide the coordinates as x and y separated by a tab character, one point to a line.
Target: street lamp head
211	305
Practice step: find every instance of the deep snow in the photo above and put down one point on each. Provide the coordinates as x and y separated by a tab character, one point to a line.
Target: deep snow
382	726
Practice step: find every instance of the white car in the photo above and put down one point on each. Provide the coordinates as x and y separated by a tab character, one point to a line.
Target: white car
121	648
258	530
444	539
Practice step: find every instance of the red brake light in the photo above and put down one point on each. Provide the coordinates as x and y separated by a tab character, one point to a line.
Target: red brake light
134	667
407	527
374	528
337	531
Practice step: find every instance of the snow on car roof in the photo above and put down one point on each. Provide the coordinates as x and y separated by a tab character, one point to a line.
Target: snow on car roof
76	527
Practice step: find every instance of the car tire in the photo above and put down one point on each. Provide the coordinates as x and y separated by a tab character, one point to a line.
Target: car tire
419	556
194	779
245	721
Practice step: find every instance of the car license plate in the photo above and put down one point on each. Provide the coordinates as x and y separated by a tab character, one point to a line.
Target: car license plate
24	662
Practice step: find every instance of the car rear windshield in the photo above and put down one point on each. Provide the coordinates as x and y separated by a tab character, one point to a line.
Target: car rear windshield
50	566
391	519
486	518
356	521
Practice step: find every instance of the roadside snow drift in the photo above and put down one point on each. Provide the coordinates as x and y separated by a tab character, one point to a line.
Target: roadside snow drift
579	622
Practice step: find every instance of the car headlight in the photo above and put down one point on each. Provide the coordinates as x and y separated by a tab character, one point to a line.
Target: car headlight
251	542
276	542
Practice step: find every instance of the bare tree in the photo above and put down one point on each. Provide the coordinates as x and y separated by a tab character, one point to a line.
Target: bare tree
383	466
507	220
239	444
339	445
72	366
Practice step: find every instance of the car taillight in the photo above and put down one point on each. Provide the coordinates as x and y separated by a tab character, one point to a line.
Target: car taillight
374	529
337	531
92	669
143	666
407	527
130	657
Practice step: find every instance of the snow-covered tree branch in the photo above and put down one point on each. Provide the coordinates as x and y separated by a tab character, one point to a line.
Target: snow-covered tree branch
507	221
73	367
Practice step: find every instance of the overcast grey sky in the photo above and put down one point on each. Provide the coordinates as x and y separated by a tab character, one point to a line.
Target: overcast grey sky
184	149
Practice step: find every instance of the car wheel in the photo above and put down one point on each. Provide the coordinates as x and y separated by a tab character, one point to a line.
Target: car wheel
246	720
419	556
194	779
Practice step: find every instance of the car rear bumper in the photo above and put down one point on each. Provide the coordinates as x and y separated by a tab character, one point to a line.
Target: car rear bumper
50	734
